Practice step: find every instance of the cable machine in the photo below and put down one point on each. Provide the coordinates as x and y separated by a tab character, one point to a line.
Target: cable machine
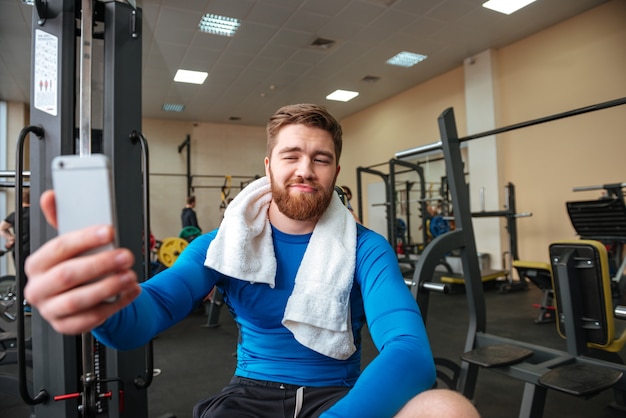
389	180
94	381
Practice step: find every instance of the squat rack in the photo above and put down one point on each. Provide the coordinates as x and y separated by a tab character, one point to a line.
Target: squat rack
186	144
389	180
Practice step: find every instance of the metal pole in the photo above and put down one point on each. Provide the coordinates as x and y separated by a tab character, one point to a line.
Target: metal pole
575	112
84	145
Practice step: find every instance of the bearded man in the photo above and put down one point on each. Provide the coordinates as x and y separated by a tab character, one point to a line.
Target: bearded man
300	277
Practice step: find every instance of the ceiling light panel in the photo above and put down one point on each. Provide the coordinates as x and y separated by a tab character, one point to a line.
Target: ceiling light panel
507	6
172	107
192	77
406	59
219	25
342	95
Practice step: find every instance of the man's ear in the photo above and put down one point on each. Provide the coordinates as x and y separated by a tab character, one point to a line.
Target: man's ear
267	166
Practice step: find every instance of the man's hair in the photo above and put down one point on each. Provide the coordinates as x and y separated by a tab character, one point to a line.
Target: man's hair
310	115
191	199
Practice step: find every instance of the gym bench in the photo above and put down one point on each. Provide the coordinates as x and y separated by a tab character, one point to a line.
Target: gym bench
487	277
584	308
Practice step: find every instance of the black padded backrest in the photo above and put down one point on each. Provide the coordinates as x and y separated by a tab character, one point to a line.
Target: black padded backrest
602	219
590	285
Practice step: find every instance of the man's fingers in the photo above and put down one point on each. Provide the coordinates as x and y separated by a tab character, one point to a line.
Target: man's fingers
48	206
75	272
83	309
69	245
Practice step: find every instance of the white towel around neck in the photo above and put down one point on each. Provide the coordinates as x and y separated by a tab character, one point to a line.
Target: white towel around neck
318	310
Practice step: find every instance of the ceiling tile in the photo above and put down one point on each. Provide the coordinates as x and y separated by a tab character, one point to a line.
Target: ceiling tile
238	9
255	32
361	13
306	21
324	7
269	14
170	18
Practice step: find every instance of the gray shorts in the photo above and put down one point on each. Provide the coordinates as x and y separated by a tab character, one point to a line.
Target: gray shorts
251	398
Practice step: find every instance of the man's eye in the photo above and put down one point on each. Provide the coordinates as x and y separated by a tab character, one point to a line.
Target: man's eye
321	161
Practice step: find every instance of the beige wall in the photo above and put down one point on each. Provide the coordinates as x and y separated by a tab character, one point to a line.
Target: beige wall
575	64
216	150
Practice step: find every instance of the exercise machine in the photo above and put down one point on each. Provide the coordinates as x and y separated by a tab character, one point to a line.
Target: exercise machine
604	220
530	363
77	376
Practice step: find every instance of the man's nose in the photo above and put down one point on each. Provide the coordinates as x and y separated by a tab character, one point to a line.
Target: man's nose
305	168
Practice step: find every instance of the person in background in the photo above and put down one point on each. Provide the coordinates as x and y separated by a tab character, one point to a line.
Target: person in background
7	231
300	277
348	194
188	216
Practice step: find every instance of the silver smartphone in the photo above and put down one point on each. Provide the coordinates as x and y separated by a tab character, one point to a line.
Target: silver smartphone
83	187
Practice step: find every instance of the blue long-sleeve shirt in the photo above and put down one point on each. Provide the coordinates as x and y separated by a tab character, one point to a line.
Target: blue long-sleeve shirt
268	351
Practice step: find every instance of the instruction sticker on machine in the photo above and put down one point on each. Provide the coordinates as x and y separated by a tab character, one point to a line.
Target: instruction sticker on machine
45	79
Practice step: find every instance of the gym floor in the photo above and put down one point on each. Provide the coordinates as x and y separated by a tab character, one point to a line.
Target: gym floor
196	361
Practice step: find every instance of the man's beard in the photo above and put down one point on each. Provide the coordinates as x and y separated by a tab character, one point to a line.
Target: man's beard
301	206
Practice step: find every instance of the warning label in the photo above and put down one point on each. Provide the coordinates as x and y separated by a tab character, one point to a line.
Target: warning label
46	67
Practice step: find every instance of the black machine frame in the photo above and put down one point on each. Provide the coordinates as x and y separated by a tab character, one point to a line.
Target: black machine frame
61	387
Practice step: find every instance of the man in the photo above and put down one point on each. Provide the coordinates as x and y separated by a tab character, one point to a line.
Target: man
7	231
188	215
295	359
7	227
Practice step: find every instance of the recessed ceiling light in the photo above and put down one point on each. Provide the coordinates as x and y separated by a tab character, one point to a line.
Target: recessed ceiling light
507	6
219	25
171	107
406	59
193	77
342	95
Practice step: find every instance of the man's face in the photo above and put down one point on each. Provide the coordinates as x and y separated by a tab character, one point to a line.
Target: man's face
302	169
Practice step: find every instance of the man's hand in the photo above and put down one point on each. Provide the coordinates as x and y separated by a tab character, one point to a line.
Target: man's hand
63	287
